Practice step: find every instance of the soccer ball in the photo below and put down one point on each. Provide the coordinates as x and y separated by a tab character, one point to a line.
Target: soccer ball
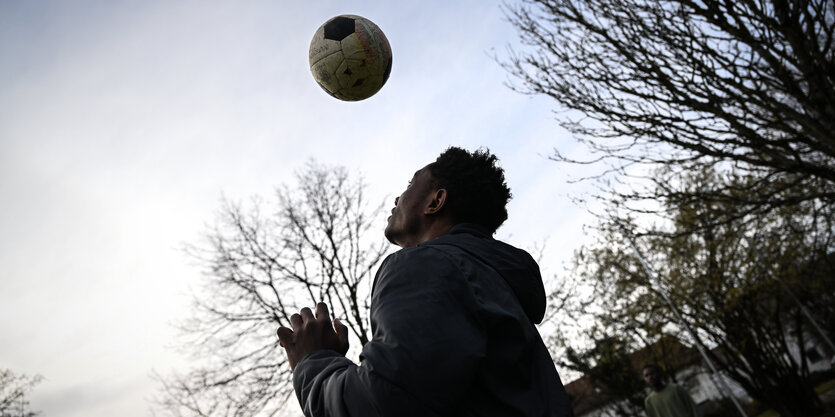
350	57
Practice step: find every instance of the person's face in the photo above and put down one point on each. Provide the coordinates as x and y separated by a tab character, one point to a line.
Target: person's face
652	377
407	222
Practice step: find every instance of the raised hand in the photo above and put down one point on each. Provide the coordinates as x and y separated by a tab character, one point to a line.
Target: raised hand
310	333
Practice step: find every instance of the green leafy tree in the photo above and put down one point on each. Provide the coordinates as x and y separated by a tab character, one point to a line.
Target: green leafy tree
610	370
316	241
729	281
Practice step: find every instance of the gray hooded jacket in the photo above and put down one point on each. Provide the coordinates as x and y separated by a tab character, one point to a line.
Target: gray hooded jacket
453	335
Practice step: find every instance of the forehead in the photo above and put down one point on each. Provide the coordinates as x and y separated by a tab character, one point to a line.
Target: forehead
422	173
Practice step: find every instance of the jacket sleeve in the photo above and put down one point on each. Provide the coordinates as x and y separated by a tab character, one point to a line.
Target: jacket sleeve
427	341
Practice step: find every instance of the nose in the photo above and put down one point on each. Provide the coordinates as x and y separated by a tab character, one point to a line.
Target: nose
396	199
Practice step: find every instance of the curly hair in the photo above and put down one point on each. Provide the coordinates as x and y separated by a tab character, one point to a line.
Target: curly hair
476	187
654	367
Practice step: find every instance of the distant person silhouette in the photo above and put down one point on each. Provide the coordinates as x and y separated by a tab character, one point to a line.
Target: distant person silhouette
667	400
452	313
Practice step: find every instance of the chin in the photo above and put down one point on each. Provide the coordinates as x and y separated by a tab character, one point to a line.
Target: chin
387	233
391	237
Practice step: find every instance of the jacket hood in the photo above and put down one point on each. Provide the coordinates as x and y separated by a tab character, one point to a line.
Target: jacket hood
515	265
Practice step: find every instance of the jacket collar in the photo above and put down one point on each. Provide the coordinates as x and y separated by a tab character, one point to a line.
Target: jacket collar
470	228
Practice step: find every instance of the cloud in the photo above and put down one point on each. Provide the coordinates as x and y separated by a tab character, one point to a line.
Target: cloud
122	123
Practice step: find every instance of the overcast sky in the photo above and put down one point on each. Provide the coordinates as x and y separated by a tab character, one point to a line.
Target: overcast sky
123	123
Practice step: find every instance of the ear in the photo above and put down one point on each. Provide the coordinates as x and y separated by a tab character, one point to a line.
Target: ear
437	202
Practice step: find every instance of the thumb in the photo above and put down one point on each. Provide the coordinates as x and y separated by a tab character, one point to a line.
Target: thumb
341	335
285	336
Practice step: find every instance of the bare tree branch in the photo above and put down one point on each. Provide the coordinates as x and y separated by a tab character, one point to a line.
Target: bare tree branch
317	241
685	84
13	391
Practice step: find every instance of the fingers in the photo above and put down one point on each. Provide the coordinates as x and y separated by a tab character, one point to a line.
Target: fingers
307	315
296	320
285	336
322	312
341	335
308	332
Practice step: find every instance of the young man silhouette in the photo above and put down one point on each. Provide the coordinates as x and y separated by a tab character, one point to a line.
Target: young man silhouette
452	313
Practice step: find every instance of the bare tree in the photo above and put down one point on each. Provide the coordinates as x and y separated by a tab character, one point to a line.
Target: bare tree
318	241
686	84
13	391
